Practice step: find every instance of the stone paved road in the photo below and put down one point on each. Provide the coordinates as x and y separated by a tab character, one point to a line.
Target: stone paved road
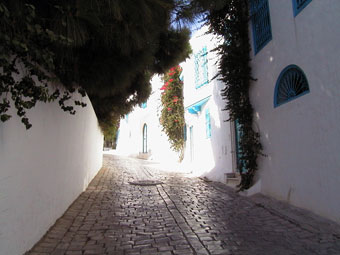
181	216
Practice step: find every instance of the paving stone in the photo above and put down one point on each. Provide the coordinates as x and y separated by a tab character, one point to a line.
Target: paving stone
180	216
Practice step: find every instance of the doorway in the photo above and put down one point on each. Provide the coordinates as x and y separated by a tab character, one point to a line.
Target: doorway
145	138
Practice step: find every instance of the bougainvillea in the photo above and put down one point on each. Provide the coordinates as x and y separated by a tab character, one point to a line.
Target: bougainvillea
172	115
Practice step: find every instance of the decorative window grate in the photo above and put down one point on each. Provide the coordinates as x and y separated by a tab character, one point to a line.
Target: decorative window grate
207	123
298	5
260	18
185	132
201	68
292	83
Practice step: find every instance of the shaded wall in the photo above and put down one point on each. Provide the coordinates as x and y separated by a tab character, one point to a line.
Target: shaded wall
43	170
301	137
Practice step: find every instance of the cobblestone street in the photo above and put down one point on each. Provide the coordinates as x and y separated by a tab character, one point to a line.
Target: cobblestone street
181	216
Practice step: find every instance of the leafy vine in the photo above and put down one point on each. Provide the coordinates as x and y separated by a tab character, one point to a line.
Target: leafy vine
231	22
23	44
172	114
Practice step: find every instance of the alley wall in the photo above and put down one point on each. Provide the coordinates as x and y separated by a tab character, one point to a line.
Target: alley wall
301	138
43	170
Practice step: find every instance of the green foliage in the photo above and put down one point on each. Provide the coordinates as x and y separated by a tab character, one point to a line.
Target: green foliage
231	22
26	60
110	134
172	116
109	48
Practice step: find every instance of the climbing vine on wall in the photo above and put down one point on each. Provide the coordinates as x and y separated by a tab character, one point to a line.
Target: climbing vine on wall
231	22
172	114
23	82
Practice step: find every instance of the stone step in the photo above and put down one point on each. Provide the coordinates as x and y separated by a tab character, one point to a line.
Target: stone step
232	179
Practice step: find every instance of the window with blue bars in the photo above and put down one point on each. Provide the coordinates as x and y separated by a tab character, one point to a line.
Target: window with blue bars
185	132
291	84
201	68
260	20
298	5
207	123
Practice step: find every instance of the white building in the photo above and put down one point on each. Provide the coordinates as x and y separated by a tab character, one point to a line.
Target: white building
209	147
296	61
140	132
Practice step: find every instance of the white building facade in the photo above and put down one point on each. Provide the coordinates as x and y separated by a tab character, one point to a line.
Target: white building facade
208	147
296	61
140	132
209	150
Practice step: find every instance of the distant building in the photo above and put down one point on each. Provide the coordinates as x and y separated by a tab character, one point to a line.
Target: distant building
140	132
208	147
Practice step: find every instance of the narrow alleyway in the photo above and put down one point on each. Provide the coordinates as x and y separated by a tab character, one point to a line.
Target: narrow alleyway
181	216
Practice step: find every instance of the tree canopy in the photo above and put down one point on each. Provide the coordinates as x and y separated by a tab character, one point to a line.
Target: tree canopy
109	48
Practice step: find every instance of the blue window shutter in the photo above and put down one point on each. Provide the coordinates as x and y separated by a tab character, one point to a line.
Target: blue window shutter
207	123
201	68
197	77
291	84
204	65
261	27
298	5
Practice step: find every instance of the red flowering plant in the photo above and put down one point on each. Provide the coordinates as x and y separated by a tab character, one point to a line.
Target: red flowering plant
172	115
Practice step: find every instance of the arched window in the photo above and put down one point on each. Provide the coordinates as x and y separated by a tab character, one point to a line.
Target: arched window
292	83
145	138
298	5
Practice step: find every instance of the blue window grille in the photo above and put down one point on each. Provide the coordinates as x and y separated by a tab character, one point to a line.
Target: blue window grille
298	5
143	105
261	27
291	84
201	68
207	123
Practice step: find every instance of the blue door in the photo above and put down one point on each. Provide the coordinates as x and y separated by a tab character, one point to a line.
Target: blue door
238	135
191	133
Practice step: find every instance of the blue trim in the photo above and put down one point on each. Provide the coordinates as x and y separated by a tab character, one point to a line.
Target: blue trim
196	107
277	85
201	68
299	5
240	164
261	25
207	123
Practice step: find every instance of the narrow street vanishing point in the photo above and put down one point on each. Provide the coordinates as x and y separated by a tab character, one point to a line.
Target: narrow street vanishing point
177	214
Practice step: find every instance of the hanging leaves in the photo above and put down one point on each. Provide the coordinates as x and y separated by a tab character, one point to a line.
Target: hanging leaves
26	60
231	22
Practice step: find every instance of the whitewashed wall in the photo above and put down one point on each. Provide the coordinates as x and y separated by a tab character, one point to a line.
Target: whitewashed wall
130	139
301	138
43	170
211	157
